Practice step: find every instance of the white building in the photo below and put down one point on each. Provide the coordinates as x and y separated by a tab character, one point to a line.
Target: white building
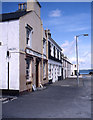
54	60
74	69
66	67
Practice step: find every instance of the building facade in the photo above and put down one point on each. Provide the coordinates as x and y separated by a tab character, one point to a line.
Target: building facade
66	67
74	69
54	60
30	57
22	59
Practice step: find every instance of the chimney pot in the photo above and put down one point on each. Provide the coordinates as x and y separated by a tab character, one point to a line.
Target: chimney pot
25	6
19	5
22	6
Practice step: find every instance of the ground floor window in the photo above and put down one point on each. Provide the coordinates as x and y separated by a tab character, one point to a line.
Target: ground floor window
44	70
49	69
28	61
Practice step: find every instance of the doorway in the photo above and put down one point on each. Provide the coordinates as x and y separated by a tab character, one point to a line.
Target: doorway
65	74
37	72
62	73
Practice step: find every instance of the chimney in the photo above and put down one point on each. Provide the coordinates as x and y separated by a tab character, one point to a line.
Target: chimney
22	6
49	34
25	6
34	6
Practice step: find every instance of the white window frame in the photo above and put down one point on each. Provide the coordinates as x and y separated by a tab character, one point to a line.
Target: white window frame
29	35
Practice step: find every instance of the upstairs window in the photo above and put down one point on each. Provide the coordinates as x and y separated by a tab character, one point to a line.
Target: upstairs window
28	35
52	50
44	46
56	52
59	56
44	70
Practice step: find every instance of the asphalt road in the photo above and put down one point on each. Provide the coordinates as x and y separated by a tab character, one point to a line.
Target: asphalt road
63	99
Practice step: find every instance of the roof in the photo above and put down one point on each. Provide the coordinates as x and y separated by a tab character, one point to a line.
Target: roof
55	43
13	15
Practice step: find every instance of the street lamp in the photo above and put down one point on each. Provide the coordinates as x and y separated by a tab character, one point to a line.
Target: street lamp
77	55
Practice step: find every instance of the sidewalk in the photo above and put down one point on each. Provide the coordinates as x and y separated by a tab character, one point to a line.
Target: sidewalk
63	99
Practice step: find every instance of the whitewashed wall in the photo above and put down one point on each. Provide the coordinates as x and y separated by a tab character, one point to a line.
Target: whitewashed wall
3	68
55	67
10	41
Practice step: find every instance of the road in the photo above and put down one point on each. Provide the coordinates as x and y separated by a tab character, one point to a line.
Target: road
63	99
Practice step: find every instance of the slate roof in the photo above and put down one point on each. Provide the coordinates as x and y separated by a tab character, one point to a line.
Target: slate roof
13	15
55	43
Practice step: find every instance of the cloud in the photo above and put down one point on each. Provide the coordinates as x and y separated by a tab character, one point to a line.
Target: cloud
65	44
71	25
84	57
69	47
55	13
77	22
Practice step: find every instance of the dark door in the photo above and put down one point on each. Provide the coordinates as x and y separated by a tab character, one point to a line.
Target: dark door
75	72
65	74
37	64
62	73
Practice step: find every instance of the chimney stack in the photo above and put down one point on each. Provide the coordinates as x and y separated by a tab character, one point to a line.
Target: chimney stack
49	34
22	6
34	6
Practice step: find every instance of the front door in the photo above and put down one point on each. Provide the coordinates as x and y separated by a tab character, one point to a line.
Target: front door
65	74
62	73
37	70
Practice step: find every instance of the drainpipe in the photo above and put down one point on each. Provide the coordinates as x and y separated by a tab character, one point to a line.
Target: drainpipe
42	52
47	54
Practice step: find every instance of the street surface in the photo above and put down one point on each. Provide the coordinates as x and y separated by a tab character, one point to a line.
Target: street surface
63	99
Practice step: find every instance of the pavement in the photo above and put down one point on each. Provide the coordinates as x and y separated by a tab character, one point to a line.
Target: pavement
63	99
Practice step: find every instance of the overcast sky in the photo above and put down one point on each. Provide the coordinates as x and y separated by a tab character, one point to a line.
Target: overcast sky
66	20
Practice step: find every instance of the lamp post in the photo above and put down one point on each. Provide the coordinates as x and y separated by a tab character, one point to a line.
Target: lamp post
77	55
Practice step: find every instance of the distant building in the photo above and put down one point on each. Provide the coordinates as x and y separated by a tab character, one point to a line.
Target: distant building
66	67
74	69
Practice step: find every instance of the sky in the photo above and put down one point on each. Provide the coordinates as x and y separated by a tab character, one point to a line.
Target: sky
66	20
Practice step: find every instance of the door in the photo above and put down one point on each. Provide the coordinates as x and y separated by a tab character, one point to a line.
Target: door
65	74
37	70
62	73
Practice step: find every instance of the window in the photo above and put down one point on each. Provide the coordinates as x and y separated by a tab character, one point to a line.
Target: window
59	56
56	52
49	71
44	46
52	50
28	68
49	49
28	35
44	70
